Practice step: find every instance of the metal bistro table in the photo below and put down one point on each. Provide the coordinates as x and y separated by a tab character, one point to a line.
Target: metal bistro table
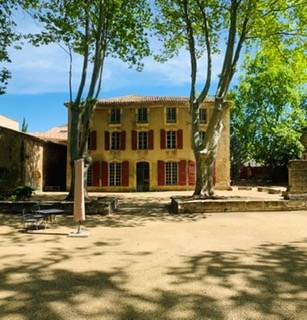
49	213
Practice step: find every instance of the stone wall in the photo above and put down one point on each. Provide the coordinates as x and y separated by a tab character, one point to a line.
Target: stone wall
184	205
104	205
26	160
21	160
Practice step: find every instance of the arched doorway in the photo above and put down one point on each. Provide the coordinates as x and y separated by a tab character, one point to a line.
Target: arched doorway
142	176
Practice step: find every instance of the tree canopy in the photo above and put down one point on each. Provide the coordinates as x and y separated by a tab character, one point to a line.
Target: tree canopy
94	30
226	27
269	111
7	37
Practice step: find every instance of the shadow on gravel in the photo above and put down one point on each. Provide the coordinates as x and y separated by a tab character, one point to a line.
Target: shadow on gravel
266	282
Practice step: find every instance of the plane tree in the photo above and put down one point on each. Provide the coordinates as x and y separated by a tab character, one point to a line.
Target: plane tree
9	35
269	111
226	28
93	30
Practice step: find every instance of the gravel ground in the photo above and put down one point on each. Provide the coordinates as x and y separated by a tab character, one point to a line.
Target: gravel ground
152	265
165	195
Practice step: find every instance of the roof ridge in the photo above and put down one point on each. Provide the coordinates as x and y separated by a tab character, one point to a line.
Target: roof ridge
145	99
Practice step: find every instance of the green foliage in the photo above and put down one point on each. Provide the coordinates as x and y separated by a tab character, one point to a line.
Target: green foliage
22	193
95	30
254	21
203	27
9	35
121	25
270	108
19	193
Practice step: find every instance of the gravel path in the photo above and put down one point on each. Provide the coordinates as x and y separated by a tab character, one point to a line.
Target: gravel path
152	265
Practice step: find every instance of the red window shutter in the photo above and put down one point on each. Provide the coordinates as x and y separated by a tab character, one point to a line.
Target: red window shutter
161	173
192	172
214	172
123	140
107	140
179	139
150	139
93	140
134	140
182	172
104	174
96	173
125	173
162	139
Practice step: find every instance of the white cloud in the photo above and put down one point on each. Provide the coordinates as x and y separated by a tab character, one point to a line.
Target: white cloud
44	69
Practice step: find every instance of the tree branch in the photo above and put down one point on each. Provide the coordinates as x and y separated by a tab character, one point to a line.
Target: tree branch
85	63
191	41
224	77
240	44
98	52
70	76
206	87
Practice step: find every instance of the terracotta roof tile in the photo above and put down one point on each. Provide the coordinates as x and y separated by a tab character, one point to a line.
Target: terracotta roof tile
144	99
57	134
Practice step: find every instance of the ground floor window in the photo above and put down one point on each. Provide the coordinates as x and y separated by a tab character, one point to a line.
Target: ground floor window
115	173
171	173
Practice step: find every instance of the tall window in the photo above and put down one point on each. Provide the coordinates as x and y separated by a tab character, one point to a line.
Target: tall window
90	176
202	115
171	142
115	141
171	173
142	115
115	115
171	115
115	174
142	140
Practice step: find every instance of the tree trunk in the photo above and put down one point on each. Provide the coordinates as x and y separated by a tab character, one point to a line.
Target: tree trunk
196	146
207	154
208	185
87	164
199	175
73	147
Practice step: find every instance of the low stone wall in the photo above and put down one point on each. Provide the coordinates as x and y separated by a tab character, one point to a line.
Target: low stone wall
101	206
184	205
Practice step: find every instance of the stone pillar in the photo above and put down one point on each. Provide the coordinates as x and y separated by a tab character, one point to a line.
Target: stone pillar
297	188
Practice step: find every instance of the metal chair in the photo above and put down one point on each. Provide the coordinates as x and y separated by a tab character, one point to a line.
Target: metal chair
35	208
32	219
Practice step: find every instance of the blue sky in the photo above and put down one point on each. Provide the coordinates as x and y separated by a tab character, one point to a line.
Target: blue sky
38	87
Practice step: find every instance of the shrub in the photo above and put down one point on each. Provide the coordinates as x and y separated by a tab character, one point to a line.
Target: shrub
22	192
